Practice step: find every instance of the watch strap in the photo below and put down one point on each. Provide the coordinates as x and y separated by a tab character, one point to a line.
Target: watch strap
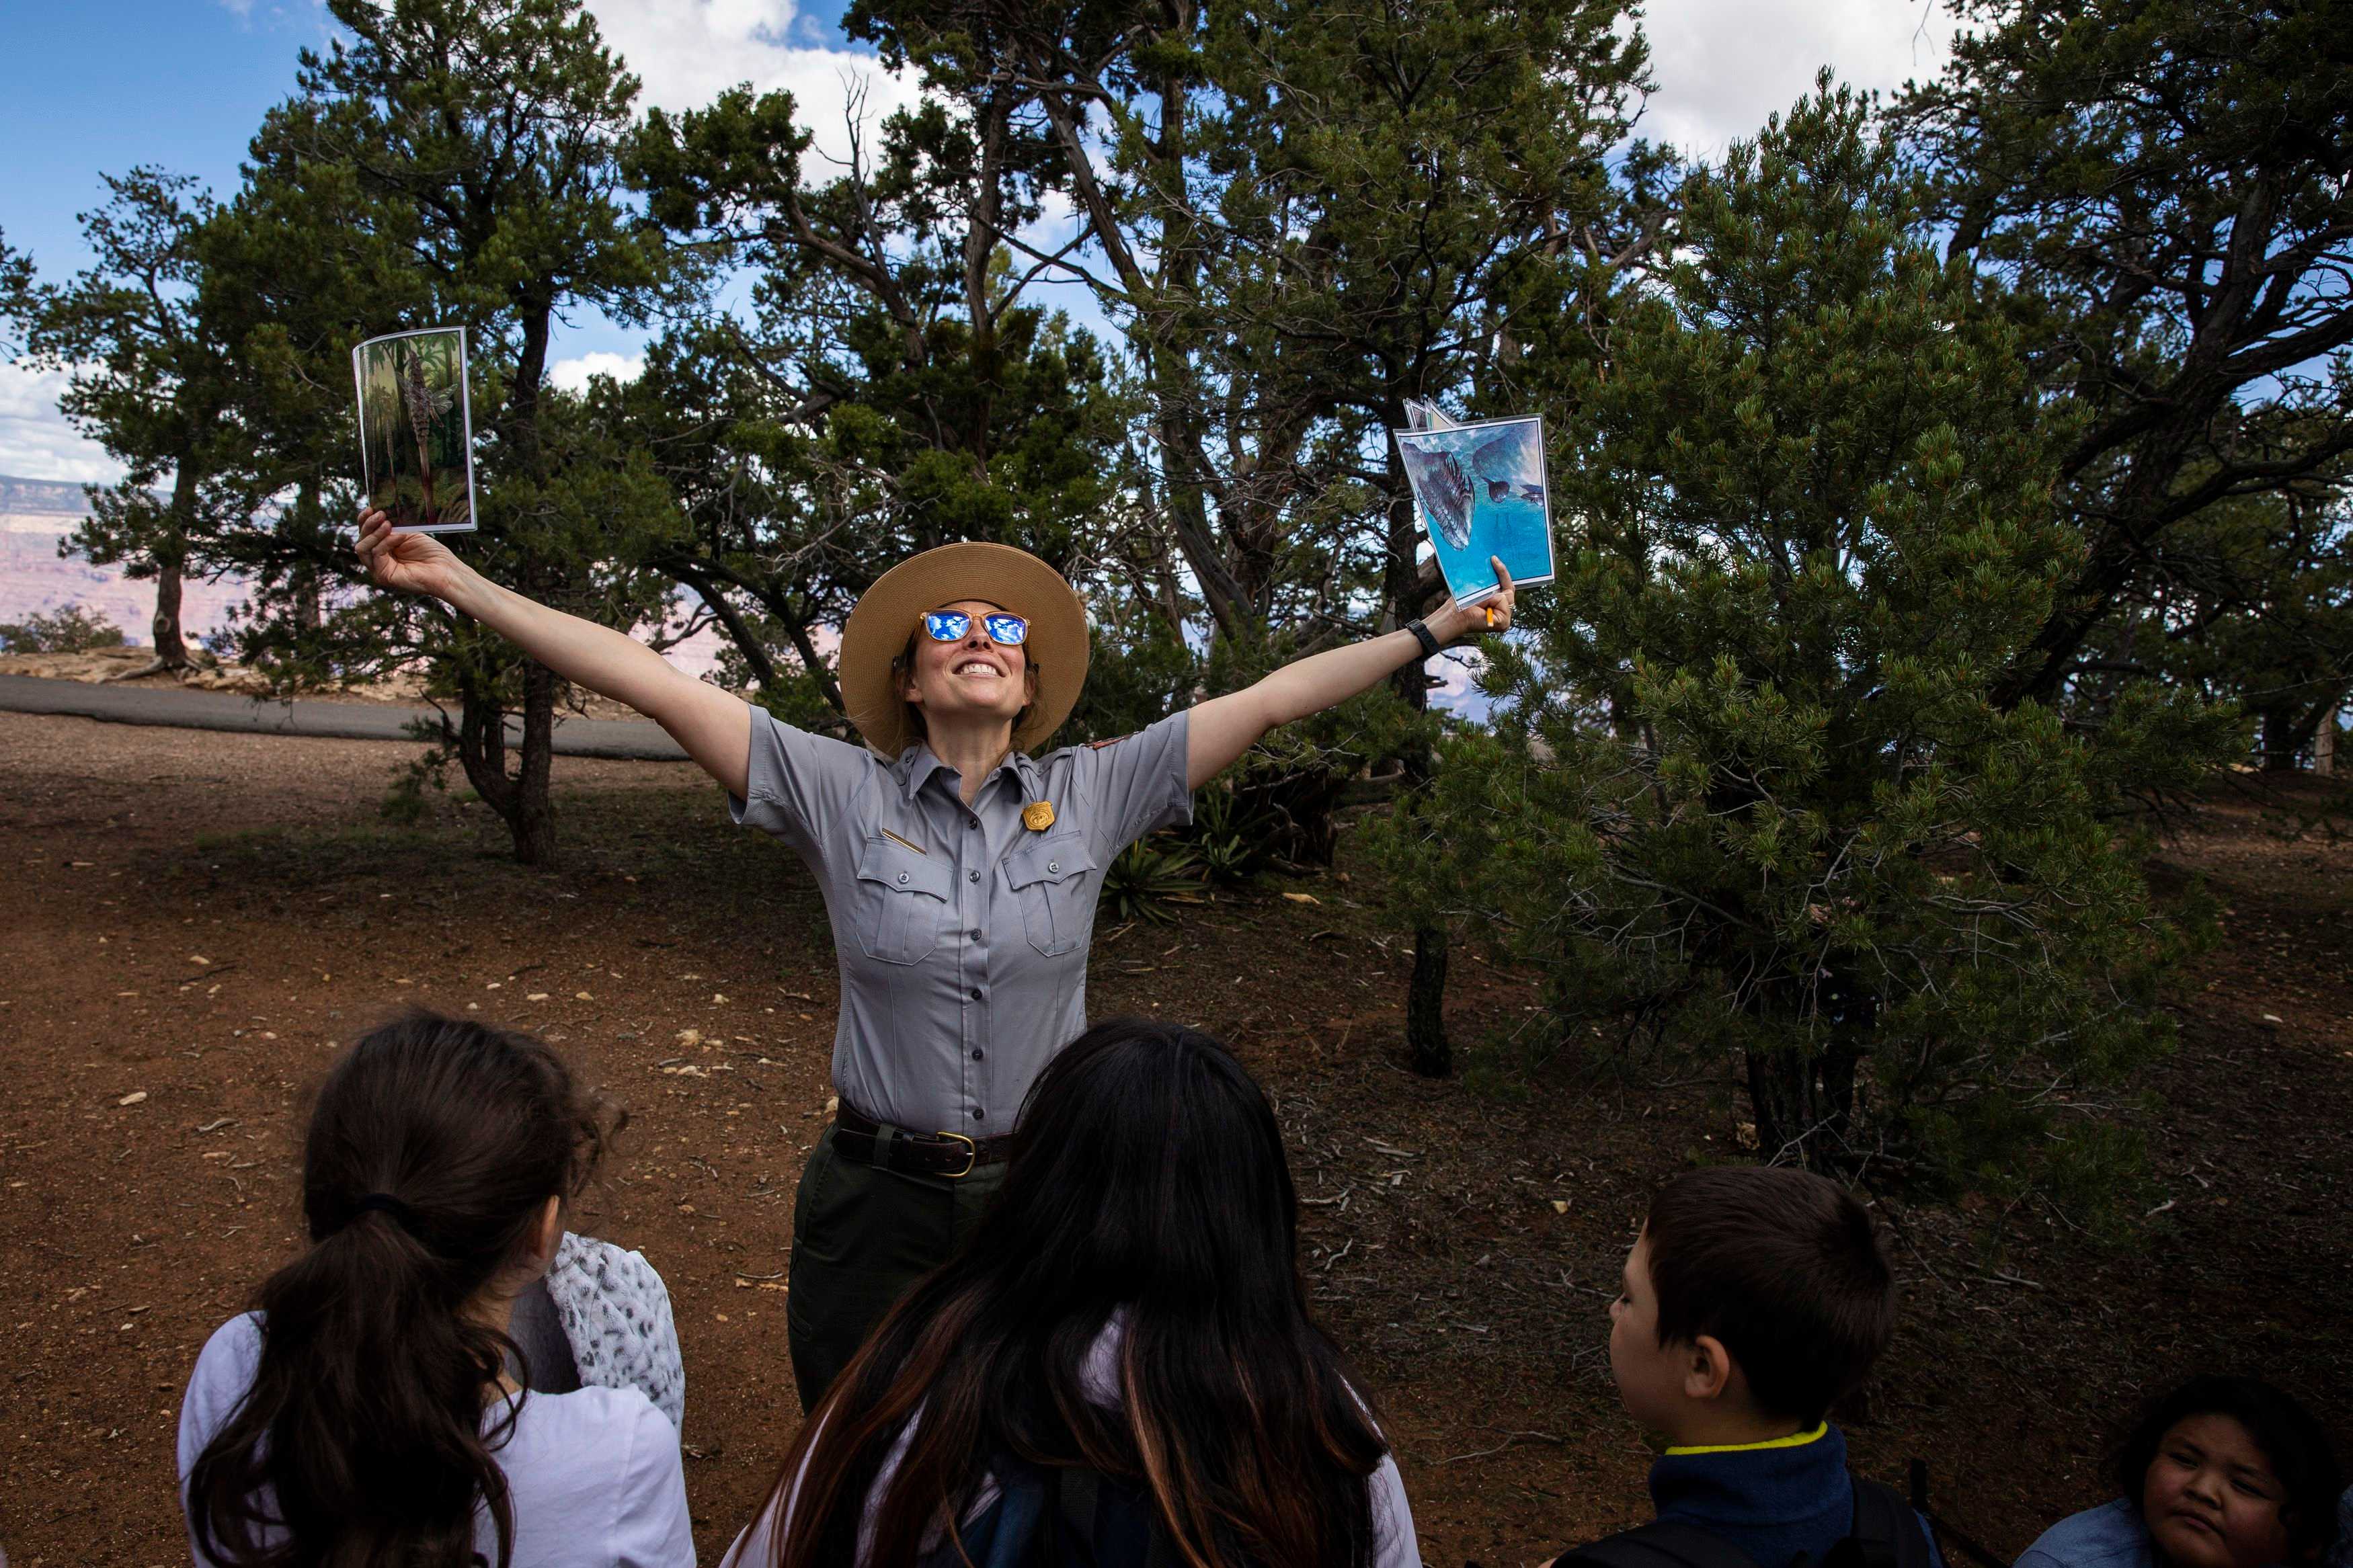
1422	635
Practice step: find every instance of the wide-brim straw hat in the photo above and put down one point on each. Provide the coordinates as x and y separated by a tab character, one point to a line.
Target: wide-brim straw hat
891	611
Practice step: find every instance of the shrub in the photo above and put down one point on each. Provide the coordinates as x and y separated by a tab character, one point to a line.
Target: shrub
70	629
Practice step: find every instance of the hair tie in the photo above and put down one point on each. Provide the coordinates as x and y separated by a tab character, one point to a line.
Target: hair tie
403	1216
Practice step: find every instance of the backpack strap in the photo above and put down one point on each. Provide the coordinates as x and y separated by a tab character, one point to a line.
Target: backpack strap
1004	1533
1081	1524
1886	1533
1080	1492
1662	1543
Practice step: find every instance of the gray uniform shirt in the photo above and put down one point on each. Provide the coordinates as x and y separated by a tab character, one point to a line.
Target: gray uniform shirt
962	935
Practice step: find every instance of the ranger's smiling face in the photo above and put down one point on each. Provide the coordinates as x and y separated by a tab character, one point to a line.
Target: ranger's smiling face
971	676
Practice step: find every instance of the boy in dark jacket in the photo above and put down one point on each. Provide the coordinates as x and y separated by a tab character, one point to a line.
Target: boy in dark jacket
1752	1300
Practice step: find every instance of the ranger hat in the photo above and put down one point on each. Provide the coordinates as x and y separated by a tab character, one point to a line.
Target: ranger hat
891	611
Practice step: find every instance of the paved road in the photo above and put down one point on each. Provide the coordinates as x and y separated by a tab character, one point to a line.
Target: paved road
574	737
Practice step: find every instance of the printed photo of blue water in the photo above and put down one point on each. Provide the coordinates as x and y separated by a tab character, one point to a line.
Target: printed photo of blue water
1481	491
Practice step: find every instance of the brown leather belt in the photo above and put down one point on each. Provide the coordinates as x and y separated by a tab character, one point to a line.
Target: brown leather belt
861	1138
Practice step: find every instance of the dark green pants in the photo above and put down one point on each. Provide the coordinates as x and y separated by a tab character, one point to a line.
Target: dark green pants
860	1237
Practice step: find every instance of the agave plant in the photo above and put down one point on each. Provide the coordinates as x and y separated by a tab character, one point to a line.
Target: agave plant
1143	882
1231	839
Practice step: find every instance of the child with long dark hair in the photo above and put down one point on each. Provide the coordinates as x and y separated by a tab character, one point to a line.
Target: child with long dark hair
2219	1472
1128	1314
364	1414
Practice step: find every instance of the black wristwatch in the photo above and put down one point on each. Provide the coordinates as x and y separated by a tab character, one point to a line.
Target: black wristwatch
1422	635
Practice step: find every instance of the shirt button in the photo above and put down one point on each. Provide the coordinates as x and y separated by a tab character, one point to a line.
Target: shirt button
1053	869
975	935
975	993
978	1055
972	876
978	1114
903	879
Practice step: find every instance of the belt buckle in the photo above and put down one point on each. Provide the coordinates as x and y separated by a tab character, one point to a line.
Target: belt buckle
971	1154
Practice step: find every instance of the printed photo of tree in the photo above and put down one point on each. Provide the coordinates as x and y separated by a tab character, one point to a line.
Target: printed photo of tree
417	429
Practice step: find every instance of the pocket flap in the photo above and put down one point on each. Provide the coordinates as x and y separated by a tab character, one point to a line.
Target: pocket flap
902	869
1052	859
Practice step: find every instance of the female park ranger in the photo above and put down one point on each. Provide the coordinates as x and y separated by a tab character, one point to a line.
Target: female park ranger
959	869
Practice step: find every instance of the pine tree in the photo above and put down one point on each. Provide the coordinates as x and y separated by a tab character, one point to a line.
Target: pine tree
456	164
897	383
1751	795
149	380
2255	608
2162	188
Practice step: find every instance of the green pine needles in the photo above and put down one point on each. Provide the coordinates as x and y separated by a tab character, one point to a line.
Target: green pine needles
1751	794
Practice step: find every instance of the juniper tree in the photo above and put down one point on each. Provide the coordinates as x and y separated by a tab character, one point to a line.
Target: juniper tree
1751	794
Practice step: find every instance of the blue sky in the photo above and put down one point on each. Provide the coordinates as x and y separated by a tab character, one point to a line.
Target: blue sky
108	84
92	87
181	83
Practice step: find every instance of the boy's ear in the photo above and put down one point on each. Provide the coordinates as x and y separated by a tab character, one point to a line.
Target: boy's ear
1707	1368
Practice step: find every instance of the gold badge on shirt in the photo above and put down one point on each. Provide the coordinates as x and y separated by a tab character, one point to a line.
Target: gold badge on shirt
1037	816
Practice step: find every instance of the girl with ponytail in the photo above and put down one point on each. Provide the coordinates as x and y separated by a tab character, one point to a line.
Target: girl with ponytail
364	1415
1128	1317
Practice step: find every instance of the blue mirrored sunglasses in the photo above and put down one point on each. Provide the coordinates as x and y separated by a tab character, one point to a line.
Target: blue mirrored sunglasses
950	626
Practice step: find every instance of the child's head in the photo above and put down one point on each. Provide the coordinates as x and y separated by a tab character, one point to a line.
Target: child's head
1148	1186
439	1156
1759	1293
450	1141
2228	1472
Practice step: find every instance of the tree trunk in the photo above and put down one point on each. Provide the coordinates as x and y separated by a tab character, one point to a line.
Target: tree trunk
520	799
2282	739
171	648
303	521
1778	1097
171	557
1401	575
533	820
1803	1099
2323	747
306	613
1427	1050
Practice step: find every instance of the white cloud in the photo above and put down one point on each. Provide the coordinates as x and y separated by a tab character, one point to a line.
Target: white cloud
35	442
571	374
1721	66
689	51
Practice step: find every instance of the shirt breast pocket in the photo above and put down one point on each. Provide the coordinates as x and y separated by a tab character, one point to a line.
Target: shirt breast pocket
1049	876
903	898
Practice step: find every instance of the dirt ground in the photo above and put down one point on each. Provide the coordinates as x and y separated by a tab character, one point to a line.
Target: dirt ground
194	920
